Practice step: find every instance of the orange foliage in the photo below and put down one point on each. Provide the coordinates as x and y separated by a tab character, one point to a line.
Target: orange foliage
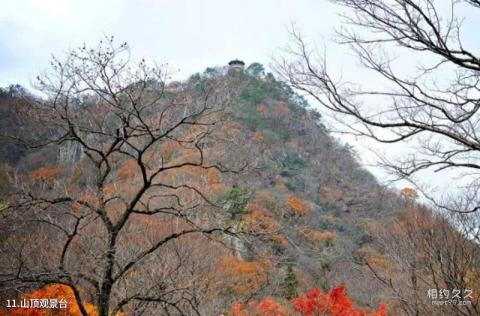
266	307
44	174
88	198
335	303
214	180
409	194
208	181
298	206
316	235
58	292
128	170
259	219
213	175
243	276
109	189
279	240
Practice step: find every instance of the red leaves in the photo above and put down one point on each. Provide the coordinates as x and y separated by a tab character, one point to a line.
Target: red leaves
270	308
313	303
335	303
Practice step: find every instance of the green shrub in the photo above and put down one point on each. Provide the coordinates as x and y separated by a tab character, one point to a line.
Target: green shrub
290	164
254	93
236	200
289	284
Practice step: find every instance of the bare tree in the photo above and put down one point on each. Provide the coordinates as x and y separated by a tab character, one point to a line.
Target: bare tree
436	106
425	251
116	227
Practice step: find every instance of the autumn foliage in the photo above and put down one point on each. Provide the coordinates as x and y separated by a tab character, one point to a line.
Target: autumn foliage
334	303
128	170
315	235
58	292
243	276
266	307
408	194
313	303
298	206
45	174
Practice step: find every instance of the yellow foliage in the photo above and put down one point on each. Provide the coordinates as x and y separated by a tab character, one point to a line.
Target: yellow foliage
472	278
372	257
378	261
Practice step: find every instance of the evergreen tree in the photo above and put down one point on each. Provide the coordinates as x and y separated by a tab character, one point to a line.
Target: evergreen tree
289	285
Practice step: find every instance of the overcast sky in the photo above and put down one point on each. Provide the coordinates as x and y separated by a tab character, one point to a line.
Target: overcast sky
188	34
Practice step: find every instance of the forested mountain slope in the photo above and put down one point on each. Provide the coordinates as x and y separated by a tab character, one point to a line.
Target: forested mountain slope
296	209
